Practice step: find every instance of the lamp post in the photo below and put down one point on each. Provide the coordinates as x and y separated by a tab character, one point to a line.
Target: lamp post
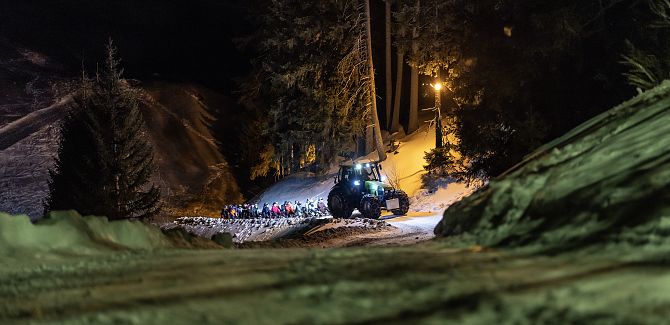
439	142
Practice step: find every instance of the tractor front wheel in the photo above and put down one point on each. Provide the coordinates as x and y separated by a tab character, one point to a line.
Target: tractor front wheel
370	207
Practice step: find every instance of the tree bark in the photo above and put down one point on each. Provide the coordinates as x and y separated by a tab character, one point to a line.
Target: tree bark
439	136
389	71
413	123
395	118
379	143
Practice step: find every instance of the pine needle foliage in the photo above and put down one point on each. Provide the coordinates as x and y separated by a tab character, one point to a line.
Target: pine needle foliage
105	160
648	58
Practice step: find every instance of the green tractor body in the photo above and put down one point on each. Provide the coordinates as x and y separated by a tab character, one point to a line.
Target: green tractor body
360	185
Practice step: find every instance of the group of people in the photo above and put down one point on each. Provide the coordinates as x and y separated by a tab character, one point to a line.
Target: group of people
311	208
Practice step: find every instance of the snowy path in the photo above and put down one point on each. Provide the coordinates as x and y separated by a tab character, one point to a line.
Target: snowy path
31	123
410	229
419	223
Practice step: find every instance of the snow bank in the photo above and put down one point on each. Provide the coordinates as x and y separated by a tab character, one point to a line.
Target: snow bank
442	198
606	181
68	233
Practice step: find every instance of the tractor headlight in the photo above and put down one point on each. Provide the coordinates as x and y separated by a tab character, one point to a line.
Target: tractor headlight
383	178
367	165
357	183
359	166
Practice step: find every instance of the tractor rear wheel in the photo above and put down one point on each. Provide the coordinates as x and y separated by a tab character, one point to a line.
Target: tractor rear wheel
338	205
370	207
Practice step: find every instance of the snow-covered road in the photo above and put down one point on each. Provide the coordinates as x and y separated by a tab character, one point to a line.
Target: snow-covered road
415	222
410	229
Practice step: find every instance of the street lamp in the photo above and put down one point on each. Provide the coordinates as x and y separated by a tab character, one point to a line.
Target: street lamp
438	118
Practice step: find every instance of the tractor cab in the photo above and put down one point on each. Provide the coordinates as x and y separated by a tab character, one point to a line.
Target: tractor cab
361	172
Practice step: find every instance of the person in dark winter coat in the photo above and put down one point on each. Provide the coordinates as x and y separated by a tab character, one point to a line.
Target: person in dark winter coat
321	205
266	210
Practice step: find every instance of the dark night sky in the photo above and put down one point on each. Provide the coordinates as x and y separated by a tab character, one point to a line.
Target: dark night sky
182	40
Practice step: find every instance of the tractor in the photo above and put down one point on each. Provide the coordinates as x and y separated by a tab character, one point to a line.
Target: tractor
359	185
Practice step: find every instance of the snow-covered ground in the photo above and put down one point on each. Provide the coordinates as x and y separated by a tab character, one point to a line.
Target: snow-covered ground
24	172
439	200
266	229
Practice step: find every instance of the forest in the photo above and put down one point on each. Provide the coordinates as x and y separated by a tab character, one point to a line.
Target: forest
515	74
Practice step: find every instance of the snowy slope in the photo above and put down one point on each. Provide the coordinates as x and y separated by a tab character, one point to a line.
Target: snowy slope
193	174
405	168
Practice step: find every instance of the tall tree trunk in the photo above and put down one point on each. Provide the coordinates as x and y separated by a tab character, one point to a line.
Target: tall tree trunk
379	143
413	123
389	71
395	119
439	135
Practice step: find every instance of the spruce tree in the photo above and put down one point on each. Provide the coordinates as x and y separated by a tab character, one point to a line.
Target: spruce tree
105	160
310	76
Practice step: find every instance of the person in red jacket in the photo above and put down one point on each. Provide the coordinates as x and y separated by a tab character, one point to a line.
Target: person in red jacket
275	210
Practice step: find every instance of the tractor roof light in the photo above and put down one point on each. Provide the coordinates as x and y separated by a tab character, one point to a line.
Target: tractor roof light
359	166
367	165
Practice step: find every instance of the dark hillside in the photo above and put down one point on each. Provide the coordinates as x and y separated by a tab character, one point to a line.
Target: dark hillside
604	182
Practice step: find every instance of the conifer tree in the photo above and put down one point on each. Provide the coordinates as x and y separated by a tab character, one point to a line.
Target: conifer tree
520	73
105	160
311	77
